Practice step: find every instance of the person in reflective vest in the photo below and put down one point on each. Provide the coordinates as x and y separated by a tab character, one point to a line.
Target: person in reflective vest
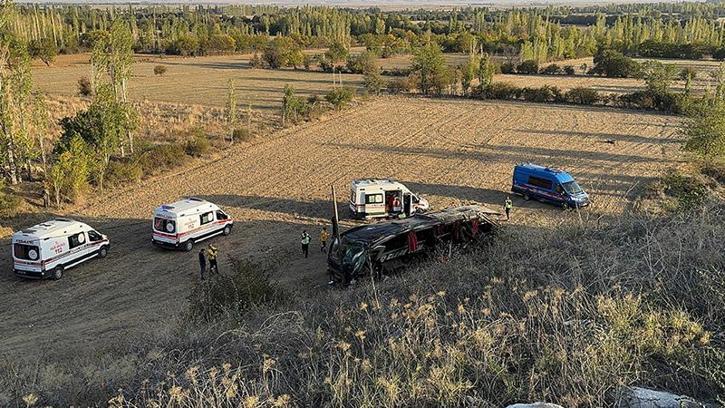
306	243
507	207
213	253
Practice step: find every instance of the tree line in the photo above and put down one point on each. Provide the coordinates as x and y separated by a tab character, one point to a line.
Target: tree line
541	34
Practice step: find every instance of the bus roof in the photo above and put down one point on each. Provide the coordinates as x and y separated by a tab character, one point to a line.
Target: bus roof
374	232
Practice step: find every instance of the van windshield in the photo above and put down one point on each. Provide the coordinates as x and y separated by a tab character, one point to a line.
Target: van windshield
571	187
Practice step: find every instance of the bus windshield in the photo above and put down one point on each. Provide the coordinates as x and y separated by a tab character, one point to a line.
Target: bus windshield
571	187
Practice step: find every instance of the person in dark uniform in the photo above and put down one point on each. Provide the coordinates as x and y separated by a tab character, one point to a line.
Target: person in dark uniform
202	263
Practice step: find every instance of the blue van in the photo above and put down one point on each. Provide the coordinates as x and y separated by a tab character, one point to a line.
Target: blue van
548	185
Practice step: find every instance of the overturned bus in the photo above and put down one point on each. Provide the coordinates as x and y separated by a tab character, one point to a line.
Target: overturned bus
385	247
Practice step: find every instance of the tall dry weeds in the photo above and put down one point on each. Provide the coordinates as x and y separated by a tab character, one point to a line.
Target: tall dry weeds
567	315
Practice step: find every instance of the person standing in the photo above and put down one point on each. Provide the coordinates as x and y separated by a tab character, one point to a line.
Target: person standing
508	205
202	263
213	253
324	236
306	239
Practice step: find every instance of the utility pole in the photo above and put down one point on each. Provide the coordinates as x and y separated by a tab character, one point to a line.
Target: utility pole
335	217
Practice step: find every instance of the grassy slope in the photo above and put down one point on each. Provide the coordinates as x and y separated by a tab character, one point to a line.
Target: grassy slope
566	315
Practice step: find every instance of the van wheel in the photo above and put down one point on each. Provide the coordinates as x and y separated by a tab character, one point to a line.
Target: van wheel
526	197
57	273
227	230
103	252
188	245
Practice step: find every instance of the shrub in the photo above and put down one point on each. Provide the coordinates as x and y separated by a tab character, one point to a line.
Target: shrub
232	294
399	86
637	100
160	70
552	69
614	64
689	190
528	67
340	97
546	93
121	172
508	68
159	157
502	90
242	134
398	72
569	70
198	145
9	202
582	96
719	54
256	61
84	87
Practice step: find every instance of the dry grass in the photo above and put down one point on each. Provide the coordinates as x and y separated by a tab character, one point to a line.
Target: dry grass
594	307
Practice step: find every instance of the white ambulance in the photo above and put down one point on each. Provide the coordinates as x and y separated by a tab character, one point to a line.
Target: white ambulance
187	221
380	198
48	249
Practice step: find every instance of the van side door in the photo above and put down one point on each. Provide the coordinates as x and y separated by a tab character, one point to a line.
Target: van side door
375	204
542	187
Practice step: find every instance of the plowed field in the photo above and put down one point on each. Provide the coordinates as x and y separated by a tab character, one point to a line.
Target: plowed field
451	151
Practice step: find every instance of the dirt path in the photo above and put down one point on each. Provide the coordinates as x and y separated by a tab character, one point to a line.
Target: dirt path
450	151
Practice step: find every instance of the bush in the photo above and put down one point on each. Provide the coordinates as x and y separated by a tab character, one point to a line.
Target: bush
9	202
160	70
528	67
546	93
508	68
582	96
232	294
614	64
552	69
689	190
340	97
399	86
198	145
719	54
502	90
569	70
397	72
84	87
121	172
160	157
242	134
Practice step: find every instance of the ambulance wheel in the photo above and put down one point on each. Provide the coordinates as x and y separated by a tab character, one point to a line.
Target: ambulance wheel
57	273
227	230
188	245
103	252
526	197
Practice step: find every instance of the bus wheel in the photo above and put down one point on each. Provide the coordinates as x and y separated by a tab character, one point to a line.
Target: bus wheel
103	252
227	230
188	245
57	273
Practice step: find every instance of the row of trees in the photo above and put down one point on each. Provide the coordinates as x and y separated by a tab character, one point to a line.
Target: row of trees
533	34
89	140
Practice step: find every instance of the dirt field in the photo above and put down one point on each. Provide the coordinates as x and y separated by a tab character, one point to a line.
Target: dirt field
451	151
199	81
